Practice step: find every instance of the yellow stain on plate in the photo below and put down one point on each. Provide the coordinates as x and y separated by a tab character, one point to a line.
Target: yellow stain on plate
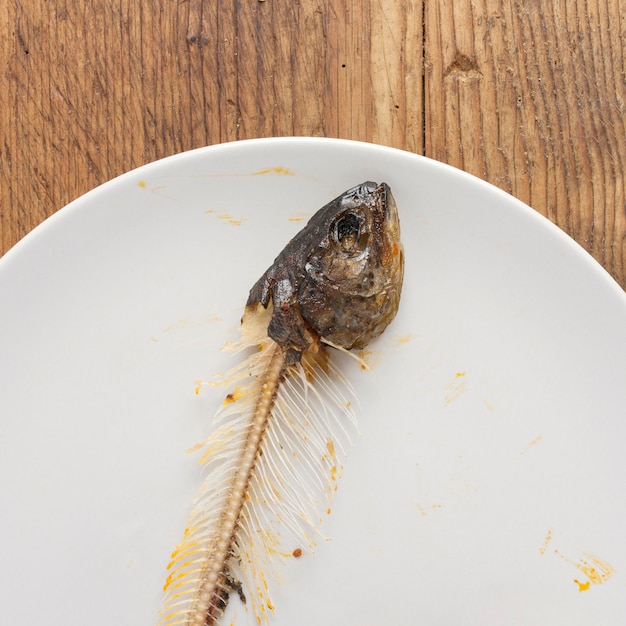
405	339
229	219
546	542
189	323
534	442
595	569
156	190
456	388
367	359
330	446
299	217
282	171
426	510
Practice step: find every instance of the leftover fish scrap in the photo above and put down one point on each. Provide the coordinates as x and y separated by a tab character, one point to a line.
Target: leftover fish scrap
272	461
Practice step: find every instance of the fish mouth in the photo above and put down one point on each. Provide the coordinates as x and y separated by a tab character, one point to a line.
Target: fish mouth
379	199
387	205
391	248
376	196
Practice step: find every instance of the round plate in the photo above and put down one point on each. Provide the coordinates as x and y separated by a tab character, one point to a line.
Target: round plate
487	484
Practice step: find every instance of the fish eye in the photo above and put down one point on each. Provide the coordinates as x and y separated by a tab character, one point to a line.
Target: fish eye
348	225
347	232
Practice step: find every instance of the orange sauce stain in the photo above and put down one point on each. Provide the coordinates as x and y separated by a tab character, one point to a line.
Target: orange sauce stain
233	396
299	217
332	454
189	530
546	542
595	569
229	219
426	510
157	190
189	323
283	171
456	388
534	442
330	446
366	357
404	339
172	578
169	616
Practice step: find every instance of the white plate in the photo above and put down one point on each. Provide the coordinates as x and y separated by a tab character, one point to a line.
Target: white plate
488	486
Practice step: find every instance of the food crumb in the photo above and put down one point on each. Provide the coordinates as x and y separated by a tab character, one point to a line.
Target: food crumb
297	553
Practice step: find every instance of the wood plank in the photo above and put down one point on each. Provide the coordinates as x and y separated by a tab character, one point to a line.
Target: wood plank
531	97
396	73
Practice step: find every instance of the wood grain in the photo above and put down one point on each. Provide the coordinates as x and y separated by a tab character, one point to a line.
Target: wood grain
528	95
531	97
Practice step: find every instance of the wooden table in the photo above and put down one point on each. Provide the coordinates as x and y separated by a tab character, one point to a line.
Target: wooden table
529	95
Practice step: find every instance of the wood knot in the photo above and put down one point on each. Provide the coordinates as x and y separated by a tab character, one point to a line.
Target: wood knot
462	65
199	40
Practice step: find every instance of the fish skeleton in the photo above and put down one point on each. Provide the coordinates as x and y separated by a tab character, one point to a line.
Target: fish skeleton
271	461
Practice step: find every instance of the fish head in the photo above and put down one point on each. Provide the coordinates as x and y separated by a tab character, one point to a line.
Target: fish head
354	275
339	279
